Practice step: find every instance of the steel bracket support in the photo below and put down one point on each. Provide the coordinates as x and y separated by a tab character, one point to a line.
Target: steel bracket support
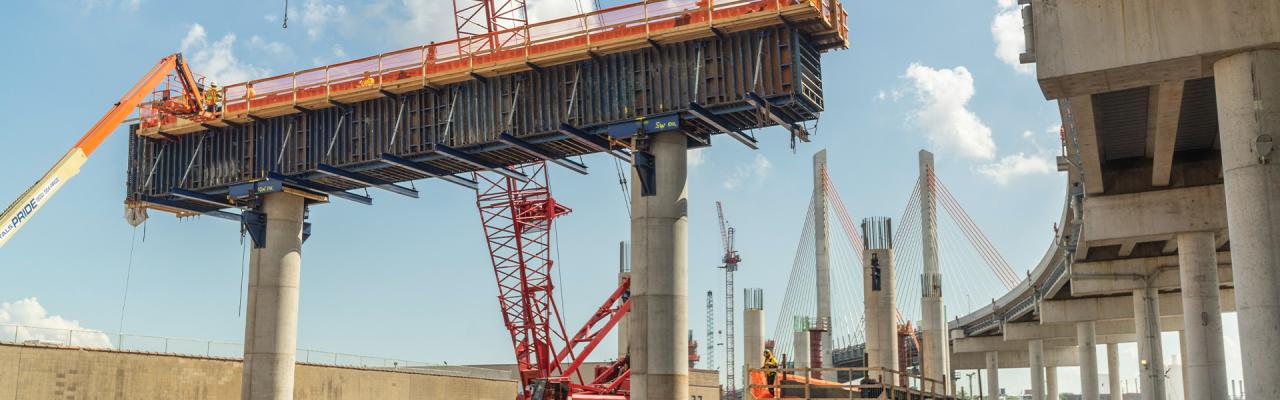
479	163
797	131
366	180
423	168
646	172
594	141
255	224
542	153
722	125
183	206
321	188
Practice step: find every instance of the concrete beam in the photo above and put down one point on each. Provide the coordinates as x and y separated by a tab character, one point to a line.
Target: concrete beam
1120	276
1111	331
1165	108
1093	46
1115	308
1053	357
1086	130
1154	214
996	343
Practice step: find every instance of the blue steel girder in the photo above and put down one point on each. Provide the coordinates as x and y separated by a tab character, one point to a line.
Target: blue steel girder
365	180
544	154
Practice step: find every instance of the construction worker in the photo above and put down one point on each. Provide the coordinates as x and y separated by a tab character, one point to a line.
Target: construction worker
367	80
770	366
212	97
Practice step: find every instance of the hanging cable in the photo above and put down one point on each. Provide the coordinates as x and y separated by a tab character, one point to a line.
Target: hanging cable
622	183
128	275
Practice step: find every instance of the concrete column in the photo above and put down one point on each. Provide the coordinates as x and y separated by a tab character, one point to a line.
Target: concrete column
1182	366
1113	371
1087	341
1146	312
1203	358
822	258
1248	95
1051	383
271	323
752	332
1036	349
993	375
881	317
801	344
932	326
659	273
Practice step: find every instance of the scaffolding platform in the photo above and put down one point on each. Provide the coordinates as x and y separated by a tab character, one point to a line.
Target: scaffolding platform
573	86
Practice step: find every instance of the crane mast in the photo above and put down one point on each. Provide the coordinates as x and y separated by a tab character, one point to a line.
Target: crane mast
729	262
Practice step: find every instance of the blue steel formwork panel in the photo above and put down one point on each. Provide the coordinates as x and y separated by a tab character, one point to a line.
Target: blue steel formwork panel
716	73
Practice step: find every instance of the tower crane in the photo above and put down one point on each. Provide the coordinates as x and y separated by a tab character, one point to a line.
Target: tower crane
174	91
729	262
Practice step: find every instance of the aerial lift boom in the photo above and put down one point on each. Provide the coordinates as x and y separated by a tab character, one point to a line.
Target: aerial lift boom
189	105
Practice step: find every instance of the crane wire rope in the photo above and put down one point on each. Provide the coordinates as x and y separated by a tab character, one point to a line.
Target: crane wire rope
128	275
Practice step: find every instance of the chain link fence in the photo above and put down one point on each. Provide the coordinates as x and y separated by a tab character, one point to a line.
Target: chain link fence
92	339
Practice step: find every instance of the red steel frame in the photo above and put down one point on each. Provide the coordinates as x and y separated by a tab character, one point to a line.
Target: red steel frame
517	217
490	24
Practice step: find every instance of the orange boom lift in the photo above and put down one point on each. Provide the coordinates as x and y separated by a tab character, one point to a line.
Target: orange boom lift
175	93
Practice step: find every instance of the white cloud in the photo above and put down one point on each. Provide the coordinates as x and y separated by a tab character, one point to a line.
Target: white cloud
27	320
880	96
1018	165
756	171
1006	30
317	15
217	60
949	125
273	48
696	158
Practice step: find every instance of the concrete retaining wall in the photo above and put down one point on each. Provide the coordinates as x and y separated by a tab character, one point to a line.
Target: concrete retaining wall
40	373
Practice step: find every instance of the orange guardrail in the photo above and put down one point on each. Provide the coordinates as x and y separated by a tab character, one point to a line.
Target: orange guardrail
606	25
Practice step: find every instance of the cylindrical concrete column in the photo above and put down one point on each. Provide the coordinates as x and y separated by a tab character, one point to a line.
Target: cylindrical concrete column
879	295
659	276
752	332
1051	383
1204	358
271	323
1113	371
1036	349
1087	341
1146	318
800	341
993	375
822	260
1248	95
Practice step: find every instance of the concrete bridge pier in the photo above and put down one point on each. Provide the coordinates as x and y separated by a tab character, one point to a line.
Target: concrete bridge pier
800	342
1146	318
1204	359
993	375
660	285
1036	349
752	334
879	294
1087	341
271	322
1248	96
1113	371
1051	383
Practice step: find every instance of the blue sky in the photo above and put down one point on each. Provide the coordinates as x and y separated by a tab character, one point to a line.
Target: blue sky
410	279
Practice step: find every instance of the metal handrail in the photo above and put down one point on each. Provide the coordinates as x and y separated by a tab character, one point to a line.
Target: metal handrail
891	382
641	19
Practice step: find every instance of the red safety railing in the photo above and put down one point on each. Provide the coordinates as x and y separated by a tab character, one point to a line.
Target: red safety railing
606	25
